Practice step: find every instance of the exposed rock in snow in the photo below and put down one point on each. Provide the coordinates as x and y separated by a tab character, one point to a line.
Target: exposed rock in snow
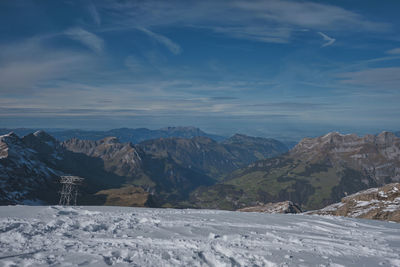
278	207
375	203
102	236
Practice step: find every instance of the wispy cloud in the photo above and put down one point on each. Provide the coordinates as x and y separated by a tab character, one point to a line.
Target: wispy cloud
267	35
394	51
375	78
310	15
329	40
168	43
292	106
25	75
274	21
88	39
94	13
134	64
223	98
28	63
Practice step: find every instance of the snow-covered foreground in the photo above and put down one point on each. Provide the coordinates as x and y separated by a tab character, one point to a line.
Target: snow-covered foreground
100	236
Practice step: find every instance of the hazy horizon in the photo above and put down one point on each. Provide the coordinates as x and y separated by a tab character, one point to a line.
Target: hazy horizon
287	138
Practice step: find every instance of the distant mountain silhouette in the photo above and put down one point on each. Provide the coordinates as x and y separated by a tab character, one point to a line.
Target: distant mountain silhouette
123	134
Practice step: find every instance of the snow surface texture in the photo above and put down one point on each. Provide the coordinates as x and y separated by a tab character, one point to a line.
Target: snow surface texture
101	236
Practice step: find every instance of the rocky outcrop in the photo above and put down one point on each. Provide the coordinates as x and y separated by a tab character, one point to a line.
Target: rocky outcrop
278	207
381	203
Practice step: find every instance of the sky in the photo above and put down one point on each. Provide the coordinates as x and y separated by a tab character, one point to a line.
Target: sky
273	68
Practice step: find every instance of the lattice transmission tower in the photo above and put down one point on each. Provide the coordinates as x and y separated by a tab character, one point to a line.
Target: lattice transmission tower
69	191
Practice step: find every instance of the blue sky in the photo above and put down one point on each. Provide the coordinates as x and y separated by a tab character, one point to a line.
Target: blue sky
284	69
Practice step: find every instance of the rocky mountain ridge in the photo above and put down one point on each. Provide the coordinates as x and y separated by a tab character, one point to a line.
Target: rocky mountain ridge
378	156
121	158
108	164
315	173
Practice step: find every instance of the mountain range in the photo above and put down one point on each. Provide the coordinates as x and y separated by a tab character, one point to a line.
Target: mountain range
162	171
235	173
315	173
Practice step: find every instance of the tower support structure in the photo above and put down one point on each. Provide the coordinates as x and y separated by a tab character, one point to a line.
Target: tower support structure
69	191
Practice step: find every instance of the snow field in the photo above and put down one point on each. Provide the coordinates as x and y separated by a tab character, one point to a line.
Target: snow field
103	236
